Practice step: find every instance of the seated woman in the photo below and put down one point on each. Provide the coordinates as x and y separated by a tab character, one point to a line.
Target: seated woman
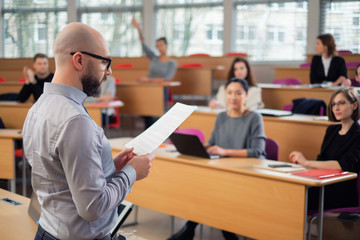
340	150
238	132
240	68
327	66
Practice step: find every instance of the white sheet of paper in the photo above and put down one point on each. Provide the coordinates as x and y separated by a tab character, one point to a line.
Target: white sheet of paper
149	140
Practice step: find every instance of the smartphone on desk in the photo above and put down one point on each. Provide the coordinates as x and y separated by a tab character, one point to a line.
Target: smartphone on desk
279	165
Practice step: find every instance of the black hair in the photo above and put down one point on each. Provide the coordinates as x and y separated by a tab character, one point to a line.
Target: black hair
162	39
39	55
243	82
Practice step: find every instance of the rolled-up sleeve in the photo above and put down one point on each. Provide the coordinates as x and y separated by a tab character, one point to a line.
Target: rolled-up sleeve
79	148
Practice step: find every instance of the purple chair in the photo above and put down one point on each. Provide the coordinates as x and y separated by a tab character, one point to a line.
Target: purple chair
305	65
271	149
191	131
344	51
352	64
288	107
354	83
337	210
287	81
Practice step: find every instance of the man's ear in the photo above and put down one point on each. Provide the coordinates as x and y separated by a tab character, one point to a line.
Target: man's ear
78	61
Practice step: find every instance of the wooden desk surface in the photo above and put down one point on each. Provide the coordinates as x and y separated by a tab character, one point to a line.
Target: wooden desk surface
302	73
13	114
7	152
277	96
15	223
227	194
296	132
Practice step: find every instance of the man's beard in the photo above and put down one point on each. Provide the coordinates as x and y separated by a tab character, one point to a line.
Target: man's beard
91	85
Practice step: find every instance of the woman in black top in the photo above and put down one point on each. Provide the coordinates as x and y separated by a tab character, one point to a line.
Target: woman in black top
327	66
340	150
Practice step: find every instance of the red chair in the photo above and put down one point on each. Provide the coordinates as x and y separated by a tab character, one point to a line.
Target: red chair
305	65
287	81
199	55
271	149
124	65
236	54
117	80
21	80
192	65
2	79
116	124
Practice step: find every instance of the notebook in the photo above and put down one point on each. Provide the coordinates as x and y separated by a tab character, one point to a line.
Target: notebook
273	112
124	210
320	173
280	167
190	145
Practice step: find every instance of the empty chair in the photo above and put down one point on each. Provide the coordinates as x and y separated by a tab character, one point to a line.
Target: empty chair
21	80
191	131
288	107
192	65
124	65
287	81
344	51
117	80
352	64
236	54
305	65
2	79
271	149
309	106
199	55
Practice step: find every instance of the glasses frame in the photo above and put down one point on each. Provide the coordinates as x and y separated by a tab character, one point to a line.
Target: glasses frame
341	103
109	60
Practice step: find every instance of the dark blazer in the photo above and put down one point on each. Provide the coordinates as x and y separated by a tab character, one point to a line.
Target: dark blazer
337	68
345	150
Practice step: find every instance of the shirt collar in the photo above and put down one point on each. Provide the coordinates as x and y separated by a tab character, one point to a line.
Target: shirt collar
65	90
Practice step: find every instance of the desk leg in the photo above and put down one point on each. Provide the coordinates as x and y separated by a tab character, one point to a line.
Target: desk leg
321	212
305	213
24	174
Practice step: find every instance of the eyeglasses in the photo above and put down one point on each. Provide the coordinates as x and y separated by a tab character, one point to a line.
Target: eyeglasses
108	60
340	103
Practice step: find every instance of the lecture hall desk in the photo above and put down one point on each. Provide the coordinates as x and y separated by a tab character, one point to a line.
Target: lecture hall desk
7	155
15	222
228	194
276	96
303	74
349	57
144	99
13	114
297	132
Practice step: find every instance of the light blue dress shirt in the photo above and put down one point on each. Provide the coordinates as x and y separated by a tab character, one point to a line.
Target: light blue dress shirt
73	172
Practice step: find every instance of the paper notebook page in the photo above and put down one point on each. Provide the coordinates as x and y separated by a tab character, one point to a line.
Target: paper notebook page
149	140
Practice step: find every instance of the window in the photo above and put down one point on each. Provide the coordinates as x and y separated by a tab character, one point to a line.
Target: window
341	18
202	30
114	24
28	32
268	32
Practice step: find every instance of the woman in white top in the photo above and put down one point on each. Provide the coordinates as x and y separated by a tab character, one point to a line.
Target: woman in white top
240	68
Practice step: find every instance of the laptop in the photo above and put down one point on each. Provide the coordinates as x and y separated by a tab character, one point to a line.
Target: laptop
124	210
274	112
190	145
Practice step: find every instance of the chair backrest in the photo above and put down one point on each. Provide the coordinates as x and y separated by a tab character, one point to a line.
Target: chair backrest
287	81
199	55
272	149
191	131
344	51
117	80
236	54
192	65
21	80
309	106
124	65
354	83
288	107
352	64
305	65
2	79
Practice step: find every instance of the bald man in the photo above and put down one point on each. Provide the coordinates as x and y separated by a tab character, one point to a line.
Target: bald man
78	183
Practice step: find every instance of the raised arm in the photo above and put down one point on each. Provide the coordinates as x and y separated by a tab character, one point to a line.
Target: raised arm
136	24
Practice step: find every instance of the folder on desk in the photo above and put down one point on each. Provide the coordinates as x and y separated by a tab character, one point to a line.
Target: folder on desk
280	167
273	112
320	173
